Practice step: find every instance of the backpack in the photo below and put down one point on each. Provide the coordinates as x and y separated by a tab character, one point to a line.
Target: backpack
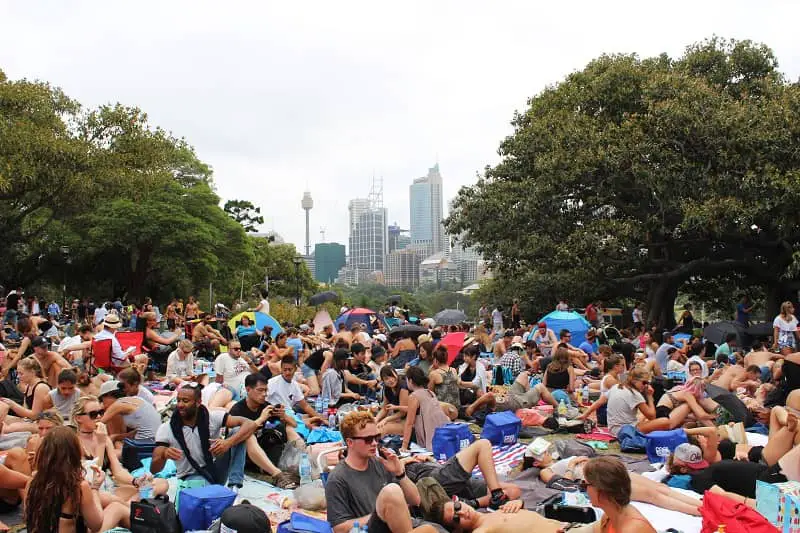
736	516
300	523
154	515
630	440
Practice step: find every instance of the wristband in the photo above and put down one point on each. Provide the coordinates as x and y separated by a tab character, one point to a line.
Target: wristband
401	476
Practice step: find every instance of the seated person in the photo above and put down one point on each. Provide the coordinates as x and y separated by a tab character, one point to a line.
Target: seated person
64	396
358	374
205	337
232	368
610	488
424	413
131	382
316	364
691	393
127	417
193	438
275	428
455	476
392	415
180	363
642	489
284	390
334	384
559	376
368	488
74	349
520	396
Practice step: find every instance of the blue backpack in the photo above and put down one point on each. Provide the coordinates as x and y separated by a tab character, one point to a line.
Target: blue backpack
660	444
450	439
300	523
630	440
502	428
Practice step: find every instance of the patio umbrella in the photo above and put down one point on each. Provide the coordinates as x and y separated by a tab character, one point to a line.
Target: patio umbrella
408	329
454	342
322	297
450	317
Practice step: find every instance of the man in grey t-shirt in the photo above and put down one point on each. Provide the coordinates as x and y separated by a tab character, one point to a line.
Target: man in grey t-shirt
64	396
663	353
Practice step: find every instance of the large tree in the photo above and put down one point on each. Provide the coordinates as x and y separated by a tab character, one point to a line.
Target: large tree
634	176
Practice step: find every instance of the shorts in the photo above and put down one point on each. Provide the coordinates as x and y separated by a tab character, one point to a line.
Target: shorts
236	395
766	374
662	411
457	482
308	372
377	525
170	324
519	398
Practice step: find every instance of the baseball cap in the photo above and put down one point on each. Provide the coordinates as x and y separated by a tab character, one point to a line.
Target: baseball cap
690	456
357	347
377	351
108	386
243	518
341	355
40	342
381	337
542	325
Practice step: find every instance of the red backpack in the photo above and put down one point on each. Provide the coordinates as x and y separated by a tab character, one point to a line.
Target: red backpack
737	517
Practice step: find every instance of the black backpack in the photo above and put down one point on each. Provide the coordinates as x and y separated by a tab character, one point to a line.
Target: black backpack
154	515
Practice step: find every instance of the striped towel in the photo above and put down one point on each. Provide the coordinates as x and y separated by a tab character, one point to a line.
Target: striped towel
505	458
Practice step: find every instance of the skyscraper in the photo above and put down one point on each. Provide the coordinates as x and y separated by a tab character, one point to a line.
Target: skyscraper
427	211
368	233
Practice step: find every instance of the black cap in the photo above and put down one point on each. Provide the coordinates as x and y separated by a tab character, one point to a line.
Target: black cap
40	342
377	351
667	333
244	518
508	333
357	347
341	355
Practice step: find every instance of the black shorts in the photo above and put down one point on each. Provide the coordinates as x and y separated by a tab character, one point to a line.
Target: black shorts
755	454
662	411
377	525
170	324
456	482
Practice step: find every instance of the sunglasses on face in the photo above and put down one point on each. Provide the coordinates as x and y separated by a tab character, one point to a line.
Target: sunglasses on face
368	439
236	349
456	510
584	485
94	415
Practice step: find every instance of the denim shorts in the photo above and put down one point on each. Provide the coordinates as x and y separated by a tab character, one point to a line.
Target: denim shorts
308	372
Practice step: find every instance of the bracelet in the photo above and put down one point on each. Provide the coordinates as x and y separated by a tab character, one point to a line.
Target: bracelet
401	476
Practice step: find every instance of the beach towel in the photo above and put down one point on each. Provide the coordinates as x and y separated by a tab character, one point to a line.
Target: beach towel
600	434
505	459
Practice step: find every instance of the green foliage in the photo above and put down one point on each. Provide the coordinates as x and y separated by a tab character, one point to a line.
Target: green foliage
635	176
245	213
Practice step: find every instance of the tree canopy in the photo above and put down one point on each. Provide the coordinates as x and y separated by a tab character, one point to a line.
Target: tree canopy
634	177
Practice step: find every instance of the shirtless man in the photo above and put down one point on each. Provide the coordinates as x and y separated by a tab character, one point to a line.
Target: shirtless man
734	376
205	336
764	360
52	364
512	518
346	336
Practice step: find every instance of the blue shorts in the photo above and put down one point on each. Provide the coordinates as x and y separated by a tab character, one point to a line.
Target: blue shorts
766	374
236	395
308	372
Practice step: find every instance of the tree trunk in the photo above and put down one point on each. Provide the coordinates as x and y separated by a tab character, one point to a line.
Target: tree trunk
661	303
138	278
776	293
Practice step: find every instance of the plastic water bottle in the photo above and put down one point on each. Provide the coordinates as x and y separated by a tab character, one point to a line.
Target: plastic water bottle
356	527
211	372
318	404
562	408
586	394
332	421
305	469
145	486
325	403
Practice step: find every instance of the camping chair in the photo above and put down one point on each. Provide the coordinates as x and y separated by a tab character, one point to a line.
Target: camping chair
101	357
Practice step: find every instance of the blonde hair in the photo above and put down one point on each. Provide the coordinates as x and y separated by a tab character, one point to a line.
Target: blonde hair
31	365
354	422
148	315
637	374
185	345
785	309
80	407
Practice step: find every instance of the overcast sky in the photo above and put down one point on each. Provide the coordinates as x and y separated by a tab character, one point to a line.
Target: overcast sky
280	97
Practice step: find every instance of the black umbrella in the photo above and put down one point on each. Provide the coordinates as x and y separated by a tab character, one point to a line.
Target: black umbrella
717	332
322	297
450	317
409	329
762	330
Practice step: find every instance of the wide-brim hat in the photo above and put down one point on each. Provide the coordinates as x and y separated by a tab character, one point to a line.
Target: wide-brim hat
112	321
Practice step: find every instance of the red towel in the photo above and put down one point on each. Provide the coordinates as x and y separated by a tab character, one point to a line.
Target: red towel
597	434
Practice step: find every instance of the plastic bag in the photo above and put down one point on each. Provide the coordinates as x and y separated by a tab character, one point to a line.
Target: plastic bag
290	458
311	496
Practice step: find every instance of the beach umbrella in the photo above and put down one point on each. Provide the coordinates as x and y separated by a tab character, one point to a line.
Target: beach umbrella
453	342
322	297
359	315
450	317
261	320
408	329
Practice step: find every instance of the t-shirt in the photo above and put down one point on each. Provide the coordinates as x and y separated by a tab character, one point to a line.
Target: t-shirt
622	407
264	305
560	468
145	394
64	404
180	367
352	493
742	316
733	476
191	436
244	331
786	330
725	349
587	347
297	344
233	371
100	314
662	357
280	392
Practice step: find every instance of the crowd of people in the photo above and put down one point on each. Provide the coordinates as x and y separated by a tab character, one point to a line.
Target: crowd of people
241	398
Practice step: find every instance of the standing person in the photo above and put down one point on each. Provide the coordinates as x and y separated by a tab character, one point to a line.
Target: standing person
483	313
12	306
562	305
497	319
637	316
590	312
608	484
59	499
368	488
263	305
686	320
785	329
743	310
192	310
424	412
194	439
516	316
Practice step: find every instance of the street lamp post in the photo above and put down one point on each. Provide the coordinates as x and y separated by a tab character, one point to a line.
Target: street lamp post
297	260
67	261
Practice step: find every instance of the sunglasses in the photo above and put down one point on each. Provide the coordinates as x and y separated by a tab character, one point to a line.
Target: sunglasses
584	485
95	414
236	349
368	439
456	510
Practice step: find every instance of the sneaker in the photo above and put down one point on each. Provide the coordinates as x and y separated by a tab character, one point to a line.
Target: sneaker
235	488
497	501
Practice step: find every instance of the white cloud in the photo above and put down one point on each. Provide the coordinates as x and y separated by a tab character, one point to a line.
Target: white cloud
280	97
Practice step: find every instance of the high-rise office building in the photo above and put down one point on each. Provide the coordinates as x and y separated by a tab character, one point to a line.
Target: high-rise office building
329	258
402	268
427	211
368	233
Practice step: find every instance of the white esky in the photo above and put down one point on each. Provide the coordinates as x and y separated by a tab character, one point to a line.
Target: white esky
280	97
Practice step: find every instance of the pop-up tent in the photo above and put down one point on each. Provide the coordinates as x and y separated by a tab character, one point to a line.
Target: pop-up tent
570	320
261	320
359	315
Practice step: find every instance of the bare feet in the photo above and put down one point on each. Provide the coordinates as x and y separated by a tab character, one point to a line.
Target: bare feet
791	422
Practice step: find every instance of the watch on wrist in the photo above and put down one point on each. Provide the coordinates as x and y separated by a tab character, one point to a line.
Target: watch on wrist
400	476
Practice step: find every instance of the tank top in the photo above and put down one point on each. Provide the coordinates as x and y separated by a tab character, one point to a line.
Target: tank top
393	397
603	389
145	419
29	394
557	380
429	417
447	391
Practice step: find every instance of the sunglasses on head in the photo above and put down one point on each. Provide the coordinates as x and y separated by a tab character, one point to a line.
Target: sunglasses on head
368	439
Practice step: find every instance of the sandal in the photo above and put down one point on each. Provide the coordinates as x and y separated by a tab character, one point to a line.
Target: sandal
284	481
